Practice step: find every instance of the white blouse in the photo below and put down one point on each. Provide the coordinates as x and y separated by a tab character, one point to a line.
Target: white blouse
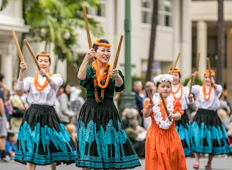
45	97
184	99
213	103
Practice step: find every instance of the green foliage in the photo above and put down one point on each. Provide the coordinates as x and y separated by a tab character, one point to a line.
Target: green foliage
197	81
56	21
135	78
4	4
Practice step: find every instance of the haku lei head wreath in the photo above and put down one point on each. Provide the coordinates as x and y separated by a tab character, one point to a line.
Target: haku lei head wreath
176	70
101	43
207	73
163	78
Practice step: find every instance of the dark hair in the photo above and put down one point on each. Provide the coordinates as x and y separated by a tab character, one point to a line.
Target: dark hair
9	135
178	73
95	47
65	85
157	85
1	76
37	57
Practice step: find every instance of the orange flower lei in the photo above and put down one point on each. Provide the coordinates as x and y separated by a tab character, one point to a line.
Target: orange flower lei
204	92
180	87
36	82
100	80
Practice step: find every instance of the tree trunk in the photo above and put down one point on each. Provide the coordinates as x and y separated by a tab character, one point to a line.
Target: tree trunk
221	43
152	40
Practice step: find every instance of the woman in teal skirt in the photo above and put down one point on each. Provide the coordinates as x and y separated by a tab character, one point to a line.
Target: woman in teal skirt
101	141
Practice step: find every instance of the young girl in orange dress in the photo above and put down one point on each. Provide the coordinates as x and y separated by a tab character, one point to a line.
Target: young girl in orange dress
163	150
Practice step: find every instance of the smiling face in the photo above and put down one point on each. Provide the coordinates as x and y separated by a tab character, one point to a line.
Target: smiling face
207	80
176	78
164	88
44	63
103	54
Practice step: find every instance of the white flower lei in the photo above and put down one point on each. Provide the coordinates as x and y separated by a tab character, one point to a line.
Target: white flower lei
163	77
157	113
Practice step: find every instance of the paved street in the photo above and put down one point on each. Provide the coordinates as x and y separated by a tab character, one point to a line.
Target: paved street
218	164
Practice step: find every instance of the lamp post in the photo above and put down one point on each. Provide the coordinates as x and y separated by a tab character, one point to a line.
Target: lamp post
127	97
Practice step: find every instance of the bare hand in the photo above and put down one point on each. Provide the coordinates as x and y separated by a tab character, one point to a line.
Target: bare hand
170	117
23	66
196	74
42	72
150	105
114	72
91	54
212	82
190	97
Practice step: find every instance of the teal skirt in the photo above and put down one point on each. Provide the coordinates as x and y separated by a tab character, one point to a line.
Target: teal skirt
101	141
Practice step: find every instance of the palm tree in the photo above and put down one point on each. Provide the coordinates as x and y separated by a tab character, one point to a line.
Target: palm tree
221	43
152	40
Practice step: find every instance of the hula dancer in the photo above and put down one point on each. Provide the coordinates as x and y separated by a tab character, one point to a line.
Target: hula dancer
101	141
163	146
183	125
42	138
208	133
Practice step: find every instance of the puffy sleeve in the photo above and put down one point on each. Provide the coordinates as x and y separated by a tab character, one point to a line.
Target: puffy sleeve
177	107
56	81
195	89
218	90
122	87
25	84
85	82
145	105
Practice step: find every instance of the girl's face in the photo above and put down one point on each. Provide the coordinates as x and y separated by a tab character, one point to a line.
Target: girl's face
68	89
44	63
207	80
176	78
103	54
164	88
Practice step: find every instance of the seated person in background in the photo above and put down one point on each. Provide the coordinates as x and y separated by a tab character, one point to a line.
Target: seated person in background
137	135
130	114
10	147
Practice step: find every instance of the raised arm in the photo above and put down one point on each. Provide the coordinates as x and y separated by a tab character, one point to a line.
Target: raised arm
23	85
82	71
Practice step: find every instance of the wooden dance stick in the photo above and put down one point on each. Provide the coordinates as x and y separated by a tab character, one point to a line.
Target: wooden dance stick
198	60
149	94
177	58
32	54
117	54
208	62
87	27
191	83
165	107
17	46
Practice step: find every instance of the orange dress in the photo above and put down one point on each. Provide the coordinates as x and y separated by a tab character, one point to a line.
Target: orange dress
163	148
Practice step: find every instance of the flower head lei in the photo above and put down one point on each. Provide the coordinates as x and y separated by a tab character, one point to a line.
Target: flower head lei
163	78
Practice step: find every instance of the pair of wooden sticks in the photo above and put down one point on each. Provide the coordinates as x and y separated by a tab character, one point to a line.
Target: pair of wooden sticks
90	42
20	52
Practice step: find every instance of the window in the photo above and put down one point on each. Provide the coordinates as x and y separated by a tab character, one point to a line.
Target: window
146	11
211	51
164	12
99	11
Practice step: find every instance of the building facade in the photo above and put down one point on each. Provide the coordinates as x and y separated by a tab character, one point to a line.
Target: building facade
204	37
174	35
